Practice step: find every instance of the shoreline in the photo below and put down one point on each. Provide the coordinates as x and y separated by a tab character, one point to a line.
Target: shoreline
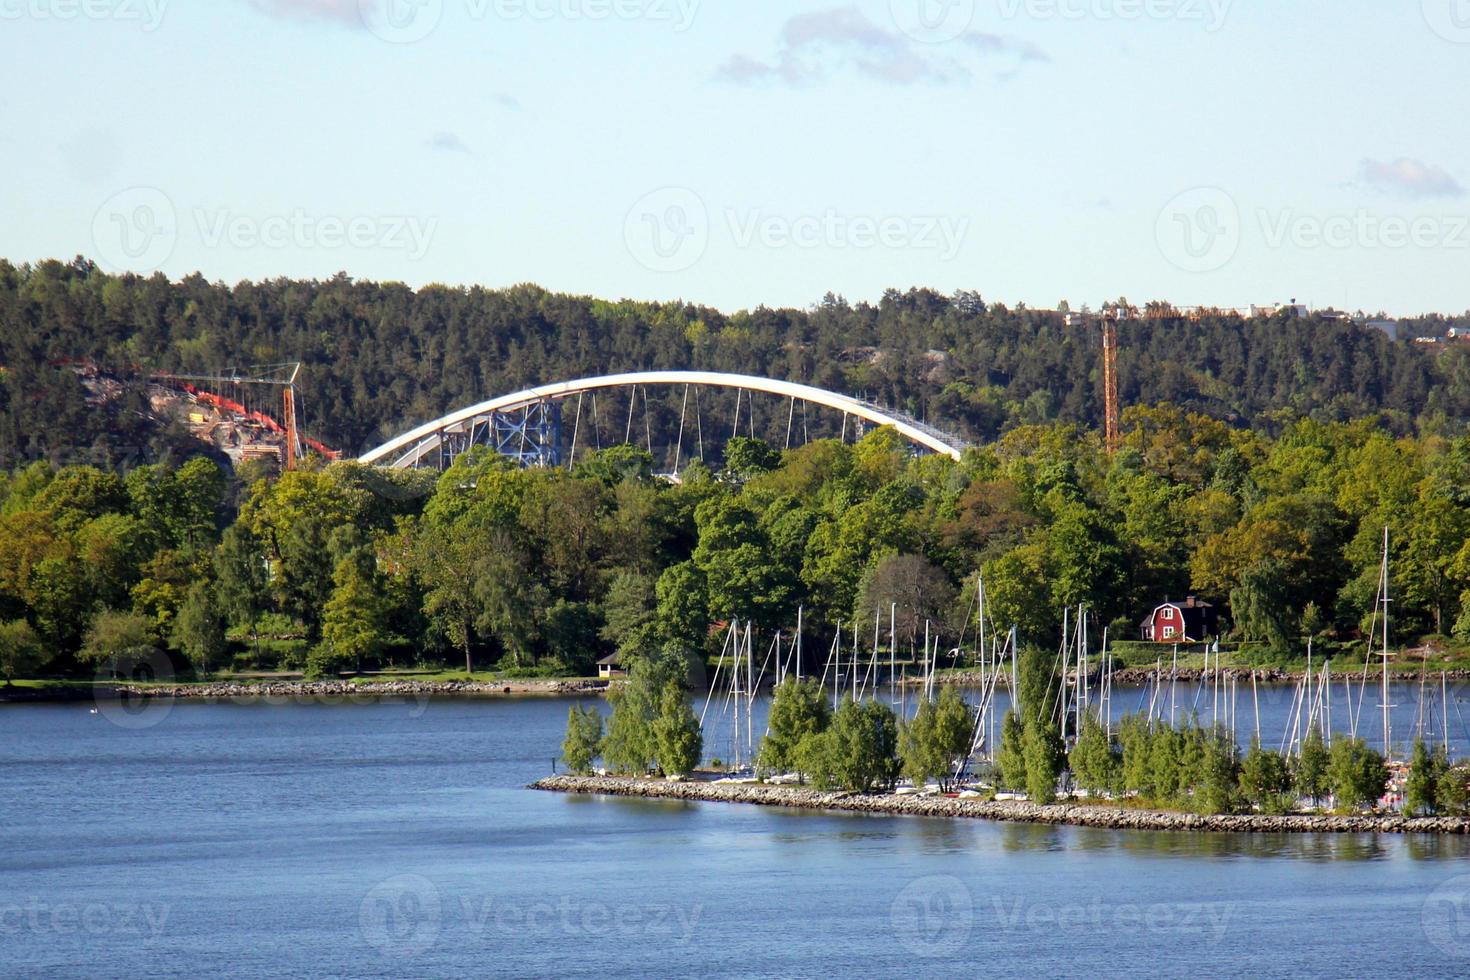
1061	814
538	687
1143	676
289	690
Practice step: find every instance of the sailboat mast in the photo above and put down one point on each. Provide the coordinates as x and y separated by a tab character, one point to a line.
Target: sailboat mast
1387	722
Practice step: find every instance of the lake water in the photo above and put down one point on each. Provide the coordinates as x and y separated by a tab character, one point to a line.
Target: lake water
395	839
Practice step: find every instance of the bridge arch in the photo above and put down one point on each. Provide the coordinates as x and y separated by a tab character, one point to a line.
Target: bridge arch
540	410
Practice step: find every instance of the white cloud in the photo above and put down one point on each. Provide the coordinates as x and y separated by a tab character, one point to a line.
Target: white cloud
814	46
447	142
1410	178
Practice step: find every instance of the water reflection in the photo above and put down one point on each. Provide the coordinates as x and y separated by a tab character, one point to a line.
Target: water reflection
1034	837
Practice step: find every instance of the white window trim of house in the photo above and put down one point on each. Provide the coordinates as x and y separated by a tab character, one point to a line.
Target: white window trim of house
1168	632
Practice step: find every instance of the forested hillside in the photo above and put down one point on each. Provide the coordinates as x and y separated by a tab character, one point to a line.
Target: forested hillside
380	357
1264	487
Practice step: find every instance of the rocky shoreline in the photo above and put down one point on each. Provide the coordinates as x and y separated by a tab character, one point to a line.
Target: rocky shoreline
1073	815
1142	676
310	690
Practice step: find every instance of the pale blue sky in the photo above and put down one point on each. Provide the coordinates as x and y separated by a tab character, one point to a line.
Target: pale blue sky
739	153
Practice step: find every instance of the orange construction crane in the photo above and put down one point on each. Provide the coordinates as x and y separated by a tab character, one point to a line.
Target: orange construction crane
1112	405
284	376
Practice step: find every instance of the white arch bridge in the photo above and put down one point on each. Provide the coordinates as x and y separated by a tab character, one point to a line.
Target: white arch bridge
528	425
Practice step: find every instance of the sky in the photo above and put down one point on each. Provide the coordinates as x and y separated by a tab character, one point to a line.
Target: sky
740	153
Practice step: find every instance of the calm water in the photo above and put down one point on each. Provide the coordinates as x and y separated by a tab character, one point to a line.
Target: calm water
394	839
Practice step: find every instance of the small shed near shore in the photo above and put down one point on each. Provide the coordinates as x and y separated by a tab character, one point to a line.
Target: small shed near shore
610	667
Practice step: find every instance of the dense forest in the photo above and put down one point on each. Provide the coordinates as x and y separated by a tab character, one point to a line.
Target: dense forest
1262	461
341	567
381	357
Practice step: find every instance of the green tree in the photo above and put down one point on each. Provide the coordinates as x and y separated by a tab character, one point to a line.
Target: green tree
571	636
1260	606
355	622
1042	746
1453	792
746	457
682	612
1265	779
1217	788
119	639
1095	761
1357	773
1167	774
743	573
935	744
199	630
799	709
579	750
1011	759
629	615
864	745
678	740
20	650
1426	770
242	581
60	601
1309	773
510	603
444	563
1136	737
631	746
816	758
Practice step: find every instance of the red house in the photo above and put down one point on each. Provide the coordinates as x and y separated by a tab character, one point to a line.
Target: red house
1190	621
